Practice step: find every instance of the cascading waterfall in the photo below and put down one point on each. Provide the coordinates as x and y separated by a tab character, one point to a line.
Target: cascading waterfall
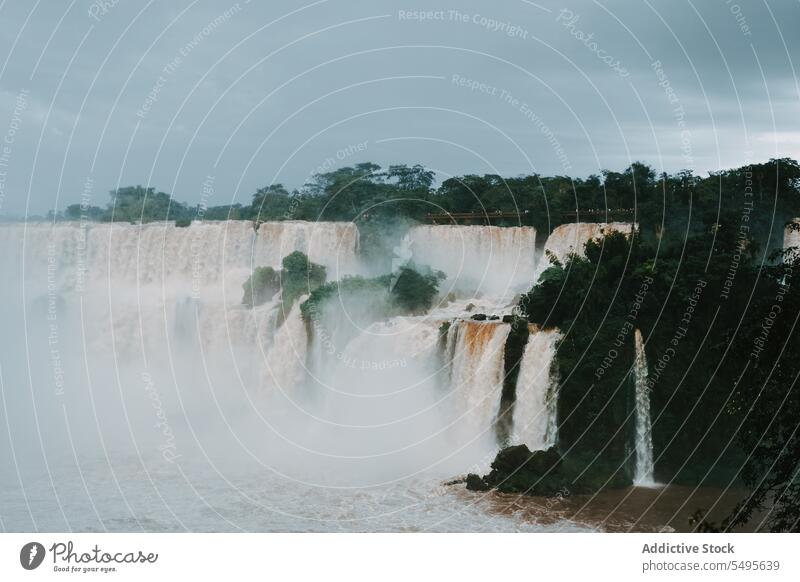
536	402
644	437
157	284
495	261
332	244
451	341
286	359
476	379
158	252
149	328
491	260
173	273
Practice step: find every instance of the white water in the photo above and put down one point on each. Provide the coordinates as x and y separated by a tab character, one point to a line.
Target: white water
476	374
166	500
142	281
332	244
644	437
535	409
478	260
286	358
140	393
158	252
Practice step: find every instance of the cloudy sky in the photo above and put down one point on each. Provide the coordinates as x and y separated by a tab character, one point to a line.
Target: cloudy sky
106	93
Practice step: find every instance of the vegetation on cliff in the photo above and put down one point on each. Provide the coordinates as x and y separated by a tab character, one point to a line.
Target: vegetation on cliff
298	276
261	286
409	291
717	310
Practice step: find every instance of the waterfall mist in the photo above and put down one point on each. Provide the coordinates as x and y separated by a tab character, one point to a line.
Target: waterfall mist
137	387
479	260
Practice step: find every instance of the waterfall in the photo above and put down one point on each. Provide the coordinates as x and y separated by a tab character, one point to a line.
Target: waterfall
572	238
536	403
332	244
644	436
451	341
156	287
492	260
476	378
286	359
162	302
378	400
201	254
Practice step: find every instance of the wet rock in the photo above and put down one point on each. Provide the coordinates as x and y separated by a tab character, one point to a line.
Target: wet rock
476	483
479	317
520	457
517	469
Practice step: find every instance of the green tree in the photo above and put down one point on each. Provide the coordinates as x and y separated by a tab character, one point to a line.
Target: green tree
136	203
271	203
262	286
413	291
299	276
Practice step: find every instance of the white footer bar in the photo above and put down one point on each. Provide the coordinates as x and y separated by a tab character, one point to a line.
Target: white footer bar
406	557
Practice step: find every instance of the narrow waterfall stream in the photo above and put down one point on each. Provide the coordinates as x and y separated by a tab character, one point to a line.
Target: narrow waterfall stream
535	409
644	436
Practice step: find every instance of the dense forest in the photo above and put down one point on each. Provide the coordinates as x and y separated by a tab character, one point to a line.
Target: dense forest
713	293
719	327
371	196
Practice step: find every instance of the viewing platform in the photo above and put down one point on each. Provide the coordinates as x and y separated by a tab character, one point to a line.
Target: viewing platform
467	218
472	217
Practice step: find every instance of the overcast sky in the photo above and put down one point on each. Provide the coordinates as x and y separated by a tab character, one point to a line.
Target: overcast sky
253	93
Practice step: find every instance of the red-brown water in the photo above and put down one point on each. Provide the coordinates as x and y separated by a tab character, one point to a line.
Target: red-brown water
634	509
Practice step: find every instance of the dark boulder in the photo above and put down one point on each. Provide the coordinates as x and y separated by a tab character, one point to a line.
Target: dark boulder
517	469
476	483
521	457
479	317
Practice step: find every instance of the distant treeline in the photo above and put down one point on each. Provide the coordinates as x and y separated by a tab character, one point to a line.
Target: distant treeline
368	193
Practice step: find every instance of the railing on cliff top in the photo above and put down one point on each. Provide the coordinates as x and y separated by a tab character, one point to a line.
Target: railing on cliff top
488	217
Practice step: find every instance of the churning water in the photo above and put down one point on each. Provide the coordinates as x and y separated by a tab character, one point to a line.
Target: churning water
138	393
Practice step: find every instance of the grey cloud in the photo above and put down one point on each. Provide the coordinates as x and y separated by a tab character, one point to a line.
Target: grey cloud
262	93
